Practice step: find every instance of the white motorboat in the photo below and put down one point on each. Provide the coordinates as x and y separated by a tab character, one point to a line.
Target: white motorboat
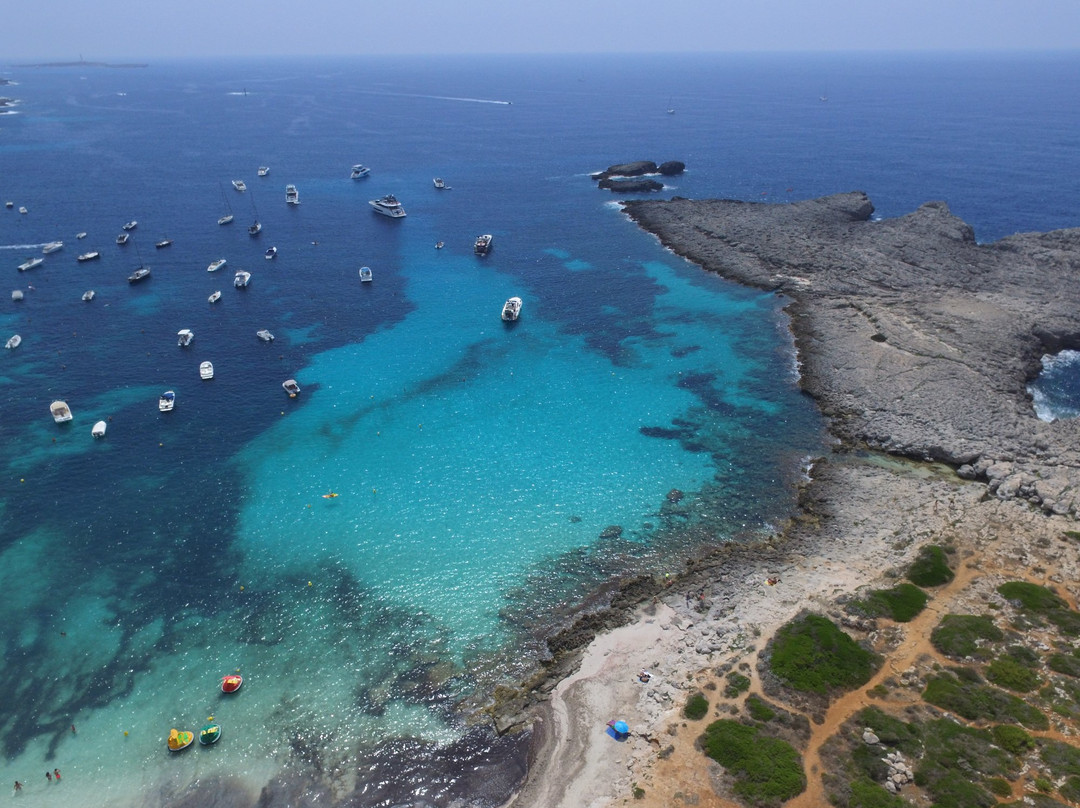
166	401
61	412
99	429
292	196
511	309
270	254
483	244
365	274
359	171
291	387
206	370
139	274
52	247
440	185
264	170
215	297
22	209
89	256
88	295
9	204
264	335
165	242
216	265
388	206
31	263
17	294
130	225
122	238
81	235
226	219
14	342
184	337
239	185
241	279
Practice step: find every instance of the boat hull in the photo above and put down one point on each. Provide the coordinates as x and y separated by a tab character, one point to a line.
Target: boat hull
231	683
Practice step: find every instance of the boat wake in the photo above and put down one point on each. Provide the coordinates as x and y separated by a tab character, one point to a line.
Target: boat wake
22	246
452	98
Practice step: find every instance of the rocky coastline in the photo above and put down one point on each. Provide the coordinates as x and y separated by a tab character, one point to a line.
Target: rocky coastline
918	344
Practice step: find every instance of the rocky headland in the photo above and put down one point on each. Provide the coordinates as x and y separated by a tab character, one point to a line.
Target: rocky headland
914	338
918	343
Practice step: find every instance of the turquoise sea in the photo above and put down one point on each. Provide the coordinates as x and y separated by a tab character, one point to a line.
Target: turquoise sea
490	479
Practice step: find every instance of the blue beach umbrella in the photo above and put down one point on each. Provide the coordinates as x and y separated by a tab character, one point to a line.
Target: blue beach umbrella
621	727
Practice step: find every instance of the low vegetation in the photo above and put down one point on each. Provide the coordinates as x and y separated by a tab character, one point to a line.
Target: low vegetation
697	707
901	603
930	568
958	635
766	771
736	684
963	692
812	654
1021	672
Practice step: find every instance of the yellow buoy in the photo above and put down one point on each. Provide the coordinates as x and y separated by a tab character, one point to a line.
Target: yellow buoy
125	733
309	583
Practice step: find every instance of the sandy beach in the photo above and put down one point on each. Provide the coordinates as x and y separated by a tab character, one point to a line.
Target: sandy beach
862	517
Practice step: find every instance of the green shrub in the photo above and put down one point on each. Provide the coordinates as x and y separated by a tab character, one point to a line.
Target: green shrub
956	634
930	568
901	603
980	702
1067	621
1012	739
812	654
1064	663
868	794
1061	758
999	787
1032	597
638	792
759	710
736	684
1008	673
891	731
1023	656
767	771
955	790
1070	790
697	707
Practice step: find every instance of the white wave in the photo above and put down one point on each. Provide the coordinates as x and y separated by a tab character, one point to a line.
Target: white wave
23	246
1063	361
1042	410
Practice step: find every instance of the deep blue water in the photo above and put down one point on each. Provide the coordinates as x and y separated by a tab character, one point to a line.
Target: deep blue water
476	465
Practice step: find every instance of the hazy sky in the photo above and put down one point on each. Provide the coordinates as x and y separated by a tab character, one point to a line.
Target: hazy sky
148	29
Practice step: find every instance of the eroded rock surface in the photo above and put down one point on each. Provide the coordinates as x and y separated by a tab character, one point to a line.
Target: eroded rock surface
914	338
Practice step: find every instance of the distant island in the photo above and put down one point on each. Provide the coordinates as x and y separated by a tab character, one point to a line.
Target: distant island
84	63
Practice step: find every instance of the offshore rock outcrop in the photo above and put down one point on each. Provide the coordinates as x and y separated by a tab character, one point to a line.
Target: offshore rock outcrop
914	338
629	186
